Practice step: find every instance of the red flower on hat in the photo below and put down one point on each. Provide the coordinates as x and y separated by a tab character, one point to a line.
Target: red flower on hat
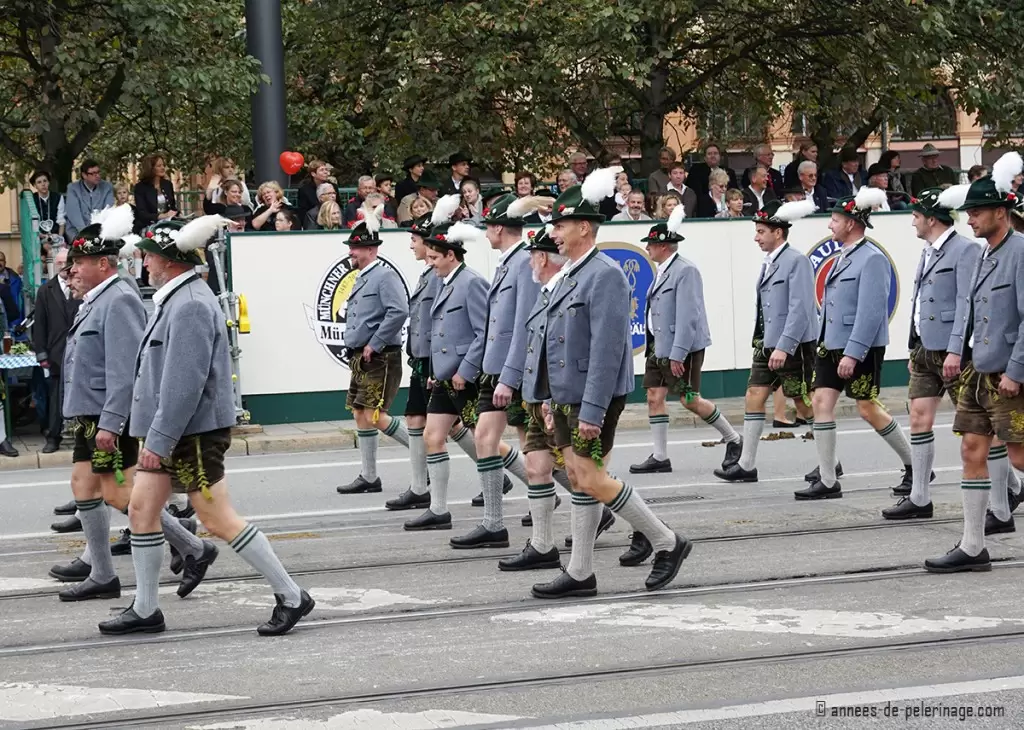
149	234
78	242
850	206
914	201
531	234
1012	197
761	214
561	208
440	237
487	212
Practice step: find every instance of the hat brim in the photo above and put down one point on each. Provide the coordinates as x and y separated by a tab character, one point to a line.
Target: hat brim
172	253
671	238
772	223
593	217
865	223
413	161
74	253
968	204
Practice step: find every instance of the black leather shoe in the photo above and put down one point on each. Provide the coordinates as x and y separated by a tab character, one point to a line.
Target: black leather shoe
361	486
1013	499
737	473
75	572
640	549
565	586
7	448
733	449
429	521
51	447
182	513
481	537
178	562
506	487
528	518
284	618
130	623
667	563
957	561
89	589
607	520
71	524
123	544
776	423
65	510
903	489
652	466
819	491
408	500
530	559
815	476
907	510
995	526
195	569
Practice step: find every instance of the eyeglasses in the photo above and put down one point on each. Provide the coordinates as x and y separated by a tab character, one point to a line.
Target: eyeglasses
91	173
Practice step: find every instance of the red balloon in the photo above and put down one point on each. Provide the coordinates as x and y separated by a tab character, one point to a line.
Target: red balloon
291	162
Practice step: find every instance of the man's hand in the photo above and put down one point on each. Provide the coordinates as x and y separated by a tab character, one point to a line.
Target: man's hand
590	431
777	359
502	396
106	441
549	418
458	382
678	368
149	460
44	364
951	367
846	366
1008	388
431	383
367	353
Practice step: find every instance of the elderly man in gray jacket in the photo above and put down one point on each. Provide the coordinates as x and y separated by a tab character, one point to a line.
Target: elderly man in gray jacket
851	349
785	329
183	410
587	362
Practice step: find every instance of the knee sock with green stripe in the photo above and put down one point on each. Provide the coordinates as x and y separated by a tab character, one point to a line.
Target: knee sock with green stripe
721	424
975	497
562	480
439	469
397	430
659	431
542	509
95	518
922	458
466	442
632	508
897	440
178	537
753	426
368	452
586	516
491	479
516	464
418	459
825	444
254	548
999	473
147	555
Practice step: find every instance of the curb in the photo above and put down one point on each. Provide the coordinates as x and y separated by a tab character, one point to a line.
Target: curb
252	441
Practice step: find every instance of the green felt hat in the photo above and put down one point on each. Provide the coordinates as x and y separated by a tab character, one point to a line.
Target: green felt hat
455	236
181	242
983	193
421	226
540	240
511	211
363	235
859	207
428	180
104	236
777	214
660	233
572	205
930	203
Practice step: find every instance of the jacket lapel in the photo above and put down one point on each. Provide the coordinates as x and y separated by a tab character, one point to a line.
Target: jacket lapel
844	264
568	282
773	266
660	282
422	284
446	291
985	269
936	255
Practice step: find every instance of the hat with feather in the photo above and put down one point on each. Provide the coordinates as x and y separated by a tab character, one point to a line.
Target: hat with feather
860	206
581	202
938	203
181	242
777	214
105	234
668	232
420	226
511	211
996	190
541	240
366	232
441	223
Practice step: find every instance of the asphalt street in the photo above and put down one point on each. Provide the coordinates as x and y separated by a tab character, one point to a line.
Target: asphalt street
786	614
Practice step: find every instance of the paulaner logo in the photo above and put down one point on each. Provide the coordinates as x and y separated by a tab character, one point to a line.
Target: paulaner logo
640	275
823	257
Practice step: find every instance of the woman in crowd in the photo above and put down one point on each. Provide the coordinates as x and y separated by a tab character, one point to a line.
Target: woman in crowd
622	190
713	204
286	220
418	207
221	169
733	204
665	205
808	151
154	193
329	217
232	206
472	206
272	202
890	159
525	183
309	196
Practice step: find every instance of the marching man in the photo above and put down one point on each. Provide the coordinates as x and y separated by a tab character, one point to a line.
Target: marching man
785	330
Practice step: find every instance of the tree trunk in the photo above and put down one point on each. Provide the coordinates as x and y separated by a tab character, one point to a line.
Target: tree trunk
652	126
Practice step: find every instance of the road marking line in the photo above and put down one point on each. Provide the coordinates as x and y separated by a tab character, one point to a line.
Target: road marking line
364	719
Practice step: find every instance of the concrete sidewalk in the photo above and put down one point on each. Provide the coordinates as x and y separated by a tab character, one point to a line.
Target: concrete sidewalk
256	440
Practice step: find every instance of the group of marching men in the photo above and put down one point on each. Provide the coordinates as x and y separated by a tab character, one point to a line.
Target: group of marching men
521	350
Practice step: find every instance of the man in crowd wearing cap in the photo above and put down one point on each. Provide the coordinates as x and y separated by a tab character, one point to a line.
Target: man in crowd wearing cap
459	164
878	177
376	312
852	340
458	319
785	330
183	410
845	181
414	167
941	293
931	174
677	336
511	296
990	403
587	361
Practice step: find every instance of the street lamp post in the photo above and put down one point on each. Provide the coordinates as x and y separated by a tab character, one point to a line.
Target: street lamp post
269	127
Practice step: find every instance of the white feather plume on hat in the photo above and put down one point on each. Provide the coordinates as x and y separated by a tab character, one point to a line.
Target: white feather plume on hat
372	221
116	222
522	207
600	184
198	232
1005	170
954	196
795	210
131	241
549	228
445	209
465	233
869	198
675	219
